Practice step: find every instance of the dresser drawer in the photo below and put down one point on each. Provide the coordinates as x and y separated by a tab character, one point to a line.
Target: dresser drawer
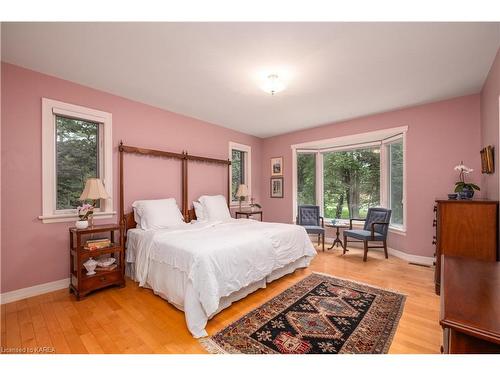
100	281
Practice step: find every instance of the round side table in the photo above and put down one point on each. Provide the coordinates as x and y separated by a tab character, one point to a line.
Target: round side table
337	240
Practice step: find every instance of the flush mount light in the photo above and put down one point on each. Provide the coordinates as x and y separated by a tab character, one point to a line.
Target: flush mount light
273	84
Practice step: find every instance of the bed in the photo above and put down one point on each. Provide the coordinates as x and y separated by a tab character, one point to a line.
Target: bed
202	267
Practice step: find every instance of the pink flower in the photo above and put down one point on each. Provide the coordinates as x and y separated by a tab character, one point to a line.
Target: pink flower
84	211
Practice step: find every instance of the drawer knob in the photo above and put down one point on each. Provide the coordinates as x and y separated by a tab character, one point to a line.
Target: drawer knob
102	278
434	223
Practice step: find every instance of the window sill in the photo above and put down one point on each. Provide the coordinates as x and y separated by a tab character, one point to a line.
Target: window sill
47	219
396	230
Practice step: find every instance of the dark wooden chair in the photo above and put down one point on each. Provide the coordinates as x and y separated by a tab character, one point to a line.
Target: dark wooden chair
309	217
375	229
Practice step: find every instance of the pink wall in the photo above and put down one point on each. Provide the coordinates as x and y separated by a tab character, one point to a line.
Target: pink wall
35	253
490	123
439	136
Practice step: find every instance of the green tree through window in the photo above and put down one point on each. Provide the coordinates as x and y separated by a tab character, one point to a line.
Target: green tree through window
237	172
306	178
396	182
77	158
351	182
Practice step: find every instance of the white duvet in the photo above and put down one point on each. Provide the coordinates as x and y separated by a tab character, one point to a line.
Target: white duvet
220	258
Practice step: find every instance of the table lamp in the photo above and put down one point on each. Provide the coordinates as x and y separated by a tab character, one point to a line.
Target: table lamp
242	193
94	190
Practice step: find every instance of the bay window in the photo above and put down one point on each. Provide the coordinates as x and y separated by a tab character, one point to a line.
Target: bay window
346	176
351	182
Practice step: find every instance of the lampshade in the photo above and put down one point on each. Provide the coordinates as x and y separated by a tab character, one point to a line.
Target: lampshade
242	191
94	189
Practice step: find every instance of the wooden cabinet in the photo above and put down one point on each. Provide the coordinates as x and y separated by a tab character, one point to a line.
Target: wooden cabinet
466	228
470	302
81	283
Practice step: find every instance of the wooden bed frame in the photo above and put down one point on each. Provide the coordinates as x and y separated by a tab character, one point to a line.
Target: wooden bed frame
127	220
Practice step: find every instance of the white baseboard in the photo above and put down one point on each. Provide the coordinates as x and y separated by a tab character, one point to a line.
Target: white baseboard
31	291
417	259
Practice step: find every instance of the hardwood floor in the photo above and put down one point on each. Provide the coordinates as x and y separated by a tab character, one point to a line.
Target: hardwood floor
134	320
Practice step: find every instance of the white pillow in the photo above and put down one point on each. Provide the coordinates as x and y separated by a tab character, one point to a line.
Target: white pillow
215	207
157	213
199	211
137	217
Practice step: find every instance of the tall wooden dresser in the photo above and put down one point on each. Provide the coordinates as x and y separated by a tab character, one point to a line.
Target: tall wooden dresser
465	228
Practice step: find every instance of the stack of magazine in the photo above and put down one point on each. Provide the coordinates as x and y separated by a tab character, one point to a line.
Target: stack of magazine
97	243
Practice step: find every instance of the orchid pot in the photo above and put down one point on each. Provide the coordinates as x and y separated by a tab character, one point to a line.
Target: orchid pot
82	224
85	213
464	189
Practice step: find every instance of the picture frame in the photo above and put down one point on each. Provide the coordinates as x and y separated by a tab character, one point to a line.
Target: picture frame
487	160
276	187
277	166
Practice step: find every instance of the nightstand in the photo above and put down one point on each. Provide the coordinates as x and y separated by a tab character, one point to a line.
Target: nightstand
248	213
82	284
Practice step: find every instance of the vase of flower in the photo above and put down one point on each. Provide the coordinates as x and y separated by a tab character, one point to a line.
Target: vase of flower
85	213
464	189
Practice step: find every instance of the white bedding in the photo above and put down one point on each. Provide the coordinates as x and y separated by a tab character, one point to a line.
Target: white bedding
201	267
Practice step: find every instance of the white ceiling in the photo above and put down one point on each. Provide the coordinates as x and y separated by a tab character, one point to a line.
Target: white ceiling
211	71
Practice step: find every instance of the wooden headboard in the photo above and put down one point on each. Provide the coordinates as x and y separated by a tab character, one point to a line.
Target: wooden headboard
127	220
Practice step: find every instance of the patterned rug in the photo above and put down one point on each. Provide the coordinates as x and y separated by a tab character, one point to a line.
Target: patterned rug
320	314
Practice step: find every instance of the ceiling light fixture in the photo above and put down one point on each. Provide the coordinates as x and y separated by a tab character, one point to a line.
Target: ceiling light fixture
273	84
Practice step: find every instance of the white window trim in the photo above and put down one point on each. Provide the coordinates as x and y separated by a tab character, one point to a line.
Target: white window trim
384	177
383	137
50	108
248	171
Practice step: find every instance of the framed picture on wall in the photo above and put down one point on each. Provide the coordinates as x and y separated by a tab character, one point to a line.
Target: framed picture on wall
487	164
277	166
276	187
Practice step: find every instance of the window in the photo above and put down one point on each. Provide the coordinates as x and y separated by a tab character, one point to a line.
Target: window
76	146
238	172
347	175
351	182
306	178
241	162
395	171
77	159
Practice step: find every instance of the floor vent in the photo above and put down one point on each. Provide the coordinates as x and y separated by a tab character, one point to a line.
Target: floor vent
418	264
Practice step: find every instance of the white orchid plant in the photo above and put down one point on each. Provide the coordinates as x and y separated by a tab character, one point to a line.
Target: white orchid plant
85	211
462	185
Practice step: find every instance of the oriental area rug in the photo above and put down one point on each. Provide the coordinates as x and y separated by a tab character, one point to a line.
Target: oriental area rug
320	314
